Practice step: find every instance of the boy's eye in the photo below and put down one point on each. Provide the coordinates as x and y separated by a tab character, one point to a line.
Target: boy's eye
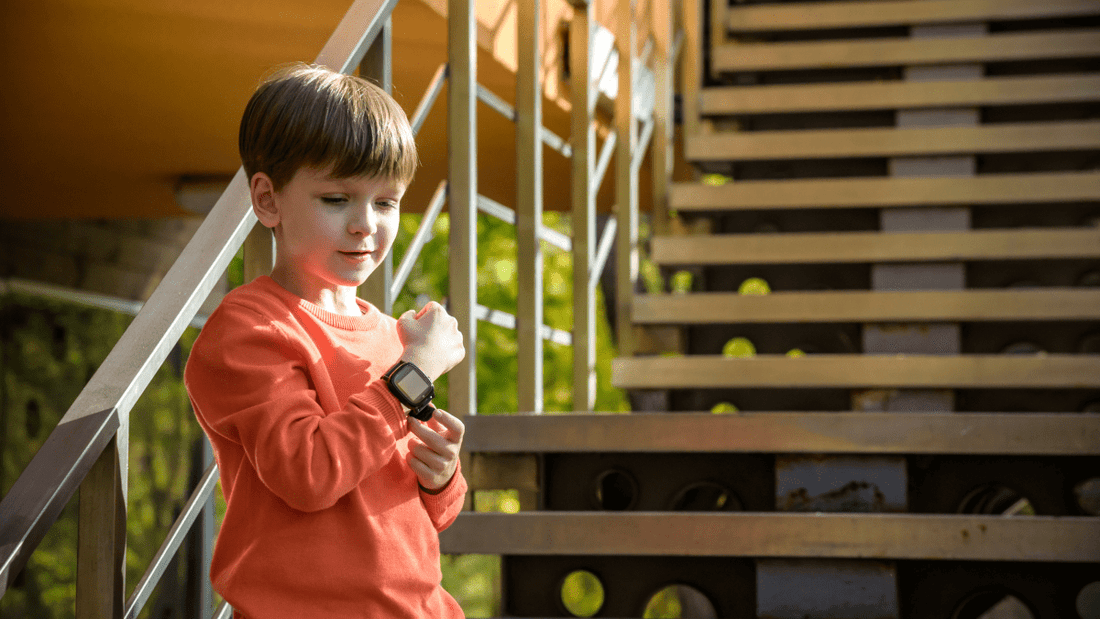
387	204
334	199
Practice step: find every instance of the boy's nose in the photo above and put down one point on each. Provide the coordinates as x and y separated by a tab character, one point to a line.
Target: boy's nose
364	221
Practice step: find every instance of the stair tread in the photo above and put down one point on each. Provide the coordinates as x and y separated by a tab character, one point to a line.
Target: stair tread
788	432
891	142
870	247
974	305
885	192
901	94
825	15
904	51
853	371
776	534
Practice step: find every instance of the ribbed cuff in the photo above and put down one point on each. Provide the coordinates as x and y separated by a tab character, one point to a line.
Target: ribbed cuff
454	490
378	397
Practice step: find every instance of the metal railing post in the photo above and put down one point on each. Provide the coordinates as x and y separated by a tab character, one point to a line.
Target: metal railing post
462	189
529	310
377	66
626	182
584	208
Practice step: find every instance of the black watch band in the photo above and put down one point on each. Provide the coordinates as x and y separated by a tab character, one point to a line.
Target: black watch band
412	388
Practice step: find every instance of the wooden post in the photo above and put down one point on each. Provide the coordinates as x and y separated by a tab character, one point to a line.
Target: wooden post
584	209
101	534
529	310
691	73
462	171
662	112
626	182
378	67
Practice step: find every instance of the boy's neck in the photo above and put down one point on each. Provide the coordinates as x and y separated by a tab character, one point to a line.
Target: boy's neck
338	300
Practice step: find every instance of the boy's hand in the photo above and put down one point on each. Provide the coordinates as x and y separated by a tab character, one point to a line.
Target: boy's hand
433	450
432	340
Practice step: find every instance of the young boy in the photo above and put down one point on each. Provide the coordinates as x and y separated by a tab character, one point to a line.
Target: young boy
334	495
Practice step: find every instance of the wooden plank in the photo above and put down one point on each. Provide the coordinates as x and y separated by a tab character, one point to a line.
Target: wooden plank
851	536
893	142
1052	371
829	15
1048	434
462	197
377	66
691	69
529	259
787	98
583	208
868	247
101	534
626	180
884	192
1078	43
861	306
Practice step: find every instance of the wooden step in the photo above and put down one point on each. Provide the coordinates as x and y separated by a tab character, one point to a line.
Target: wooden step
860	306
832	15
893	142
1052	371
1043	45
788	98
773	534
870	247
1047	434
886	192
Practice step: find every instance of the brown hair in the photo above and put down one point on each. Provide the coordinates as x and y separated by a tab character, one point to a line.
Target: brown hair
311	116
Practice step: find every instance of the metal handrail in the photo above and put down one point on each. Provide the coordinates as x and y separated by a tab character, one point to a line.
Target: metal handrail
103	406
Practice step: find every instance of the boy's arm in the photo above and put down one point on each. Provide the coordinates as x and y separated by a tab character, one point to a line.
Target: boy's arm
251	386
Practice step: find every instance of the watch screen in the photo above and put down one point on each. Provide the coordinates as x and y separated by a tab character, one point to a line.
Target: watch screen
412	384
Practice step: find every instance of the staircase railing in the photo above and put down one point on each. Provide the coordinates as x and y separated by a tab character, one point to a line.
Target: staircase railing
89	448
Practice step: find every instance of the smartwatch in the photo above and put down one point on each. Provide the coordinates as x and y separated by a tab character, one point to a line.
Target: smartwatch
412	388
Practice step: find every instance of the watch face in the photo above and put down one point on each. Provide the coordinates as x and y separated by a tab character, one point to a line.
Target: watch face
413	384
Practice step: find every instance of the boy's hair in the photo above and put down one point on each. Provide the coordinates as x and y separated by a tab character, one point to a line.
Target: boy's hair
311	116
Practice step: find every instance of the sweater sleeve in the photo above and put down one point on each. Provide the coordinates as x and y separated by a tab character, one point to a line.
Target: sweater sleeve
251	383
445	506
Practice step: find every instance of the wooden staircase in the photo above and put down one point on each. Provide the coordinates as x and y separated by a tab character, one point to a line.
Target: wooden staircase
917	182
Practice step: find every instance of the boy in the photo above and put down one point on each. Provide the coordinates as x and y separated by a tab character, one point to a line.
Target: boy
334	496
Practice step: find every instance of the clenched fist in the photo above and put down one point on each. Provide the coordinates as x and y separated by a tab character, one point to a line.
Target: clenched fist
432	340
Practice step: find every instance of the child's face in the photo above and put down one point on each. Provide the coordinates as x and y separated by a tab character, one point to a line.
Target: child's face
333	232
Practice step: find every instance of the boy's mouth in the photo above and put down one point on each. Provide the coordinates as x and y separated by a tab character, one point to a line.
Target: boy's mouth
357	254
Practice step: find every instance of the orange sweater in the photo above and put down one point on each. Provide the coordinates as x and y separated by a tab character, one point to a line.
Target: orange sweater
324	519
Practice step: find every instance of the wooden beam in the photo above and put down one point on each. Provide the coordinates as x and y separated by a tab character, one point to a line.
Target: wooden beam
581	32
826	15
1053	371
787	98
903	51
529	259
462	197
850	536
1048	434
626	180
887	192
860	306
892	142
101	534
869	247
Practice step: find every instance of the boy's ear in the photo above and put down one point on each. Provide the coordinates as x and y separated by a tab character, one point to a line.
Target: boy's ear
263	199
